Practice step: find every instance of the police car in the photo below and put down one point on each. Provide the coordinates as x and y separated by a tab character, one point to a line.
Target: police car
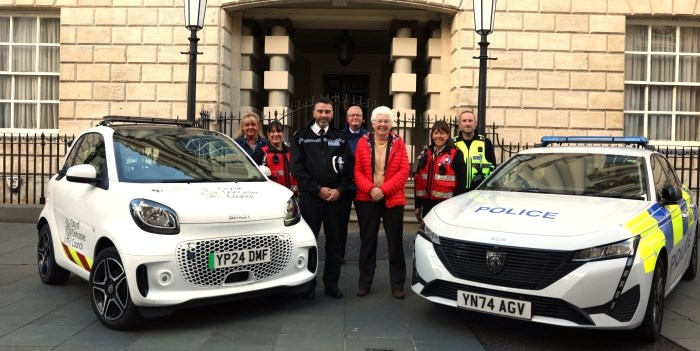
571	233
157	215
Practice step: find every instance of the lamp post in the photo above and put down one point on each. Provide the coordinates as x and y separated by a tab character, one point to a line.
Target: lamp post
484	14
194	21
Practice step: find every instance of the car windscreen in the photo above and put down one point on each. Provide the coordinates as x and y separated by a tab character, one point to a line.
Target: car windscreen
602	175
180	155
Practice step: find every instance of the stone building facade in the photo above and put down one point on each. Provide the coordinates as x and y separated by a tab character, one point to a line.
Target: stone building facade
563	67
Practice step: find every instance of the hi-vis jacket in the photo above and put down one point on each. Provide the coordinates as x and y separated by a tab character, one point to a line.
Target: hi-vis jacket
437	175
475	157
278	162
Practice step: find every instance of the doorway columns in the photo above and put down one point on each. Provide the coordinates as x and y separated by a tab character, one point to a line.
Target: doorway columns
433	82
278	81
402	84
250	55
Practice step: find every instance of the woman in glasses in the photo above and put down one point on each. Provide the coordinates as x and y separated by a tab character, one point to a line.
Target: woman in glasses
381	172
441	171
277	155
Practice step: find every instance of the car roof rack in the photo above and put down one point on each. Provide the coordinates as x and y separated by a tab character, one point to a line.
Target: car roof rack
638	141
107	120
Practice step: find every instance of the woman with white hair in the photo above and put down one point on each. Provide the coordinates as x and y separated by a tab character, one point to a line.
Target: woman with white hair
381	172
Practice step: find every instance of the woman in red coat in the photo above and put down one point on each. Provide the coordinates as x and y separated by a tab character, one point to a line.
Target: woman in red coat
381	172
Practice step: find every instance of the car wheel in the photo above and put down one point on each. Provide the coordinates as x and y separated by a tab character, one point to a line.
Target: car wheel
692	269
49	271
650	330
109	292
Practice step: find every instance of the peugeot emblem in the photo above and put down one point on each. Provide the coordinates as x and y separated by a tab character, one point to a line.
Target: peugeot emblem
495	261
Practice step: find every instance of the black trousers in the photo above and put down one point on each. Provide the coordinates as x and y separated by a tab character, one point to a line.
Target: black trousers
347	197
369	214
315	212
428	205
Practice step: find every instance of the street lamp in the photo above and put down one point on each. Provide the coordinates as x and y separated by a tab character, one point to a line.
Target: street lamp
484	14
194	21
346	48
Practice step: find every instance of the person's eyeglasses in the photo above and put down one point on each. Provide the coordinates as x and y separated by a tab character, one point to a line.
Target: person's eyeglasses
382	121
355	115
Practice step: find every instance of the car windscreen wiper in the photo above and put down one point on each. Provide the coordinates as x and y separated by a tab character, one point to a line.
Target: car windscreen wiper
616	196
191	180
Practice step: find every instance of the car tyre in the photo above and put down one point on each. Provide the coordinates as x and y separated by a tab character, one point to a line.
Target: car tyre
109	292
650	329
692	269
49	271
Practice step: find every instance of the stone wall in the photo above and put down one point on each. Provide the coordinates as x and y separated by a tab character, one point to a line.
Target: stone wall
559	67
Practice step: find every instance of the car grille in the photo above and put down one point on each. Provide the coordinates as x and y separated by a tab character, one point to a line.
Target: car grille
192	258
523	268
541	306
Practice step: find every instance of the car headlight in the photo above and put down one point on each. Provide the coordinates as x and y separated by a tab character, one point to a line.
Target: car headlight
292	215
625	248
154	217
428	234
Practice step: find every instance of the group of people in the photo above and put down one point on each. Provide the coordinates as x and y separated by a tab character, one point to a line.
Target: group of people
330	169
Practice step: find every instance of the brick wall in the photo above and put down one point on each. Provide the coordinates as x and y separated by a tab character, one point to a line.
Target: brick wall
559	67
124	57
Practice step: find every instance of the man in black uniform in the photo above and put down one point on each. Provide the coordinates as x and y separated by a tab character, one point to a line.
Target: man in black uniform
322	163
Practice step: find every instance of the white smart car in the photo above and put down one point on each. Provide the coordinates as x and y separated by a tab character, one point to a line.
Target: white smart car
157	215
575	235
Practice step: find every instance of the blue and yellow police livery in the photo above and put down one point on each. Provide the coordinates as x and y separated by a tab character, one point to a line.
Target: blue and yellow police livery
588	235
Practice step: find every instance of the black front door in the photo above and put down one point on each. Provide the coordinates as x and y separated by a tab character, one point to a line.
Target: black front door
346	90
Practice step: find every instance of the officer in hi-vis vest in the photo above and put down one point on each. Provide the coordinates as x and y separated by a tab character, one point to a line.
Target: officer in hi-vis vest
479	155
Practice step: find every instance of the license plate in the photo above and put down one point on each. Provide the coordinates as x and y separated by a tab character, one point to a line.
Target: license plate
495	305
238	258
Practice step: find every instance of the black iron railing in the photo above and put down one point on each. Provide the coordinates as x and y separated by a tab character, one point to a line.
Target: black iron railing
27	162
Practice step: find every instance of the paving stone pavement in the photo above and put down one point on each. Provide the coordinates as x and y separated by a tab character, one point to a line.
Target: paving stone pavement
35	316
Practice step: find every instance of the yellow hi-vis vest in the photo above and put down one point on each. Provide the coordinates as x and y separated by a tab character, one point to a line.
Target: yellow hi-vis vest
474	159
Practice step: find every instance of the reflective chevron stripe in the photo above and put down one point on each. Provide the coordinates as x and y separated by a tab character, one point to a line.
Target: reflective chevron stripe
76	257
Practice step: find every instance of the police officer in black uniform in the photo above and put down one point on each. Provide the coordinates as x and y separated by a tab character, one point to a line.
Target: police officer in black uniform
322	163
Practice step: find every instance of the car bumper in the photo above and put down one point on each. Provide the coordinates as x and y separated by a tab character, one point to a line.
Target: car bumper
159	281
585	297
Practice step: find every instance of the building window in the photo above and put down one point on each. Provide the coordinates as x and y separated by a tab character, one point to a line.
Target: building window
662	81
29	60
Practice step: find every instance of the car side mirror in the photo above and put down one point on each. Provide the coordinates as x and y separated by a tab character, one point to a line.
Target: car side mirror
83	174
671	194
265	170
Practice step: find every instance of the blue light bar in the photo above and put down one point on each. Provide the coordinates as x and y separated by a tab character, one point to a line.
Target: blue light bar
629	140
